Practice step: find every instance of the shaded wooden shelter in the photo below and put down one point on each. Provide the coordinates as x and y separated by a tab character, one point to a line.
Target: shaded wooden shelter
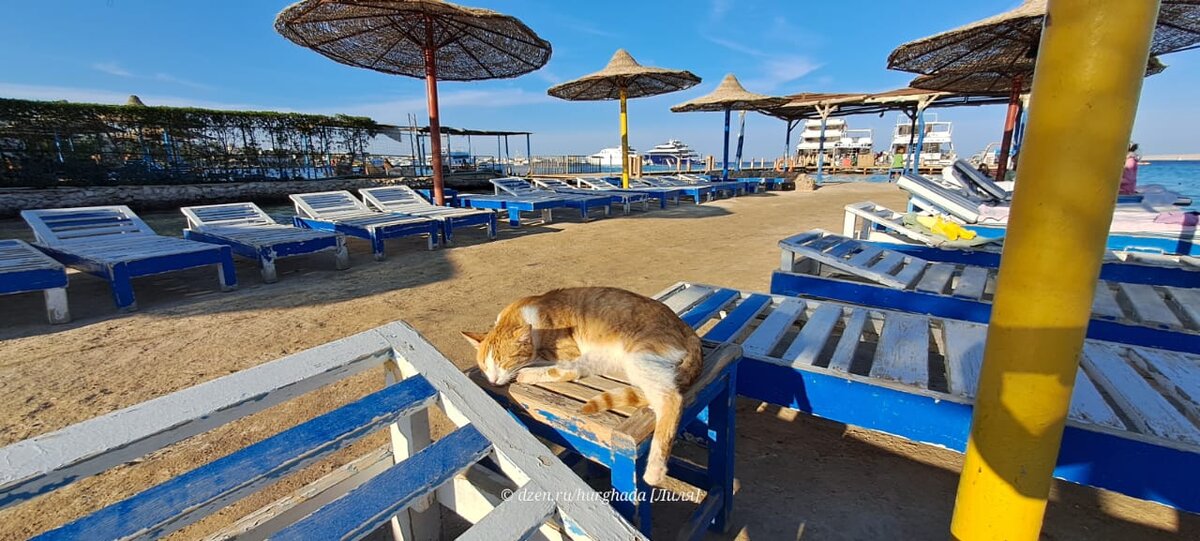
729	95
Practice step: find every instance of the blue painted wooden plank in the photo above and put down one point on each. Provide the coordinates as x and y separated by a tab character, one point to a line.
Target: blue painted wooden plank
193	495
738	319
375	502
711	305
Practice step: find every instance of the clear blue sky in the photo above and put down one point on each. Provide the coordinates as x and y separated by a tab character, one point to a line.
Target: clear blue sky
226	53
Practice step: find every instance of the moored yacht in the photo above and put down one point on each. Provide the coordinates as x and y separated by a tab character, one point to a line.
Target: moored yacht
610	157
671	153
937	146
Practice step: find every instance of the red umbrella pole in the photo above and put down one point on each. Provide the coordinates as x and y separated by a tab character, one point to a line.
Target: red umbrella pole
435	127
1010	124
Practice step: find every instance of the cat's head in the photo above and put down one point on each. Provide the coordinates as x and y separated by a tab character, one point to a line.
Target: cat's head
503	351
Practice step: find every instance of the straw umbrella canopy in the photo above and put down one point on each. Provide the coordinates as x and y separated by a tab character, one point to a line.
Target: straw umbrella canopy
728	96
994	83
428	39
621	79
1006	45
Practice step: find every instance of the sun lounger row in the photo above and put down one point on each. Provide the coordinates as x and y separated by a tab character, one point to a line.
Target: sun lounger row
113	243
1162	314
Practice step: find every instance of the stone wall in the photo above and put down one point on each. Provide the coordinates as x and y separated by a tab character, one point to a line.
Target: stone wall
14	200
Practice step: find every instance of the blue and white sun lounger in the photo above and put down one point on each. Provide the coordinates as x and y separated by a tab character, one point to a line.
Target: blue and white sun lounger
405	200
1133	226
618	197
114	244
583	202
341	212
24	269
820	264
252	234
916	377
698	193
400	487
661	194
732	188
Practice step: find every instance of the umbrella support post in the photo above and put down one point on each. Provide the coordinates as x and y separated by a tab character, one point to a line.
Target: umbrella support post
624	141
824	111
1043	299
435	126
787	145
1010	124
737	160
725	156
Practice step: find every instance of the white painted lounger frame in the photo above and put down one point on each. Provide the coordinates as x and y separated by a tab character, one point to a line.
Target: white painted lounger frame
246	224
42	464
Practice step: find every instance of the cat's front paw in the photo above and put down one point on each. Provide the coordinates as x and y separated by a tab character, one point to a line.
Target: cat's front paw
529	377
655	474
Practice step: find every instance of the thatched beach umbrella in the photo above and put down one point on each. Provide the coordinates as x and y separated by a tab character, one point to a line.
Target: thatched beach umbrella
988	82
1006	45
621	79
427	39
728	96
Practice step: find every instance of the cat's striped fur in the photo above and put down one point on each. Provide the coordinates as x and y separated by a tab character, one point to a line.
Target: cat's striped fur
599	330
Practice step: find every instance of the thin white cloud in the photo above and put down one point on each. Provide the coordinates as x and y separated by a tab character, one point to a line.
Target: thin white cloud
717	9
772	70
112	68
736	47
117	70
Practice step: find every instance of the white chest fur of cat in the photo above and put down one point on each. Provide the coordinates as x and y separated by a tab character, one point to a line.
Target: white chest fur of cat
593	331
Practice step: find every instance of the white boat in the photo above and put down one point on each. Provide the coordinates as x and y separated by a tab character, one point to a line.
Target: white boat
937	148
609	157
672	153
839	141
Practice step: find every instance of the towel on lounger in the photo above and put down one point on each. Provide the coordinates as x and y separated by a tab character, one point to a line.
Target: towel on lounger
1182	218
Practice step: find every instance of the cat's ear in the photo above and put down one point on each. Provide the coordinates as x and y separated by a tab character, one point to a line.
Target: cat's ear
475	338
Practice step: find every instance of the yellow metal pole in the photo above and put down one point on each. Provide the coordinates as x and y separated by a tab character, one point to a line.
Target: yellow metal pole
624	142
1089	73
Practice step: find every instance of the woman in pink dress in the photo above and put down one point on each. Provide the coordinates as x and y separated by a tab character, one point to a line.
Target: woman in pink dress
1129	175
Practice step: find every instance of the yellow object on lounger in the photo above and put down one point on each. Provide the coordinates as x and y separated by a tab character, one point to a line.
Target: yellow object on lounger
946	228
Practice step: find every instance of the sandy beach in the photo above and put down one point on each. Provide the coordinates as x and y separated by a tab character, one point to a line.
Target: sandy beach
799	477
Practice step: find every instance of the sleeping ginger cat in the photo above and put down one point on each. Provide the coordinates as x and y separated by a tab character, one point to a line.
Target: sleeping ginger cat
599	330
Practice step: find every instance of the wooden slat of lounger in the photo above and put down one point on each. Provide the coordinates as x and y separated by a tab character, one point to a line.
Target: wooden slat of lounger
17	256
972	282
936	278
913	268
823	243
1104	303
799	241
736	322
864	257
1088	406
582	393
903	352
813	336
771	330
964	355
704	311
1188	301
843	249
843	355
1175	374
887	264
686	298
1148	307
1148	410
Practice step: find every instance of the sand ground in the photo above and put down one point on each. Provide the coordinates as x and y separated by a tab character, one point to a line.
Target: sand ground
798	477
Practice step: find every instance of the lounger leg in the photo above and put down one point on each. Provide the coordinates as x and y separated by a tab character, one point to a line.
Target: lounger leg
266	265
447	232
721	419
122	287
377	245
341	256
626	207
850	225
57	310
787	260
432	241
226	272
583	213
491	226
634	500
514	217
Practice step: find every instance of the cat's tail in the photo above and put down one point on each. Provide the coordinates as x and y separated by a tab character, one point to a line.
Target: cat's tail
607	400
